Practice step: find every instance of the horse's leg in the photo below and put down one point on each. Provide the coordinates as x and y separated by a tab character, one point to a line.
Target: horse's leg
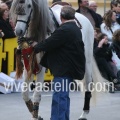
37	94
88	79
87	98
86	107
88	95
25	92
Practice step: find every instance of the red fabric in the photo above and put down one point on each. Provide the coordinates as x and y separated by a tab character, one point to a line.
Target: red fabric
26	55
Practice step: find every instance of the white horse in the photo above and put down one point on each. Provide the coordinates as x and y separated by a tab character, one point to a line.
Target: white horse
34	20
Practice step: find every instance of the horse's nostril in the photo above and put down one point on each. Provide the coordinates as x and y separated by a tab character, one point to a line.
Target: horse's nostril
19	32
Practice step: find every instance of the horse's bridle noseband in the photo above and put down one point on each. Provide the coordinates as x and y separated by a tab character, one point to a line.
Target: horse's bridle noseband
28	21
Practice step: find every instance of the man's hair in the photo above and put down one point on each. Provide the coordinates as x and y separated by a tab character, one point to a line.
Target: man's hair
67	12
79	1
113	2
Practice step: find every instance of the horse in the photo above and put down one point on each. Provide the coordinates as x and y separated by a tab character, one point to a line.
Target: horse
35	20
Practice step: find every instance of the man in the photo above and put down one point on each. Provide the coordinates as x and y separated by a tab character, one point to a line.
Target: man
113	5
66	60
90	14
93	6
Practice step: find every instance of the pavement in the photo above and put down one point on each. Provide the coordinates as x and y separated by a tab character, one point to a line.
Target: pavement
107	106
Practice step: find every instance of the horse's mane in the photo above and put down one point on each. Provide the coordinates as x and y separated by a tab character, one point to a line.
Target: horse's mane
42	21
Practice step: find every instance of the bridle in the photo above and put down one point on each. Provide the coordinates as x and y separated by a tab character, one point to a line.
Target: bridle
21	11
28	21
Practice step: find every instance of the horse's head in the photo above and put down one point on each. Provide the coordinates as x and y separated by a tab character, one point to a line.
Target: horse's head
33	16
24	13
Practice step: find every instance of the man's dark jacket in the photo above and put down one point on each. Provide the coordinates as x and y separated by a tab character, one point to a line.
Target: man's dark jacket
64	52
95	17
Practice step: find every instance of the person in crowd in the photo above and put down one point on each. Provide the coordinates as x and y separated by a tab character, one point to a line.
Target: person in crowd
113	5
83	8
9	3
7	29
115	48
116	42
103	56
109	24
4	6
118	12
93	6
5	25
66	60
96	33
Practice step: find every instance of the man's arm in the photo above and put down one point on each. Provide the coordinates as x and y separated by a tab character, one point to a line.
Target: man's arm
54	41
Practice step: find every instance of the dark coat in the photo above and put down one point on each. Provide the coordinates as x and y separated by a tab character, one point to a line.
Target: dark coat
64	52
115	46
95	17
104	52
99	18
118	18
6	29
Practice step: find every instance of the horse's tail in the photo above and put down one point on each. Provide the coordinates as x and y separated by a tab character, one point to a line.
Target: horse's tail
96	75
98	81
19	64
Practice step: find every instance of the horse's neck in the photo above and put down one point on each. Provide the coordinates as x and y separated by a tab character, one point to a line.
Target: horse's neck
56	11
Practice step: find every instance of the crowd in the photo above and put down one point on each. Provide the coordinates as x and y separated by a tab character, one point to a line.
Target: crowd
107	36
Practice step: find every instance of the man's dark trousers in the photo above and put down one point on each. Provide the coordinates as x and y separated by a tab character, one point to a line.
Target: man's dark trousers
60	101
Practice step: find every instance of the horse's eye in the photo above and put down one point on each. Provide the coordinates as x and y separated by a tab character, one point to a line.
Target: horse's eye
29	6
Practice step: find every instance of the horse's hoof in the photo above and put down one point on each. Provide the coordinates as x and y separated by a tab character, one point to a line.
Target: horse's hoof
39	118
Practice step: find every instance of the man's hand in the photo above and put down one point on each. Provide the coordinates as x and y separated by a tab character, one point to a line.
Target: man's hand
36	48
